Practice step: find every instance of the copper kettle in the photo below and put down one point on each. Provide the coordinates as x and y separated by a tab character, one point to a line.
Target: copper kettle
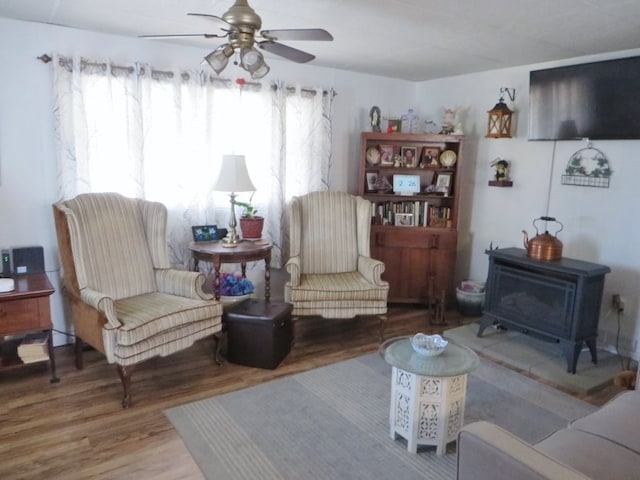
545	246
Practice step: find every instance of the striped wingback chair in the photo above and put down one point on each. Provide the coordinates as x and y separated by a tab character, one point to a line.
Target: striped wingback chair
332	273
123	297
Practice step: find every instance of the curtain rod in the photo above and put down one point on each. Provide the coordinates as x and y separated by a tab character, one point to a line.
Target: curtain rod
185	76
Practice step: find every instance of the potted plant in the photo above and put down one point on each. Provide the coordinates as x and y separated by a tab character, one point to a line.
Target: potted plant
251	224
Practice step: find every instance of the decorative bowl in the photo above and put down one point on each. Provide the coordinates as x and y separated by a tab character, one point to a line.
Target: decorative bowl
229	301
428	345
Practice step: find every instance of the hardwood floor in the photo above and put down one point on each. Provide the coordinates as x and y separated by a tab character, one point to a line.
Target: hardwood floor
76	429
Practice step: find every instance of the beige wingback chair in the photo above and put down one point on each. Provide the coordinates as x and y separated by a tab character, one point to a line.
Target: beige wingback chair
332	273
123	297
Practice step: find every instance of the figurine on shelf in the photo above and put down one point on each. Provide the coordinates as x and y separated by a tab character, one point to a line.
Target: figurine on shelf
452	121
449	121
374	118
501	169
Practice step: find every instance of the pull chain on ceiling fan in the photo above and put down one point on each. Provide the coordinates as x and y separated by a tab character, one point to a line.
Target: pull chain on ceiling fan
240	25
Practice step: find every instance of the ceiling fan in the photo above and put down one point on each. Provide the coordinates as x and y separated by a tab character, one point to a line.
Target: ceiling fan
241	26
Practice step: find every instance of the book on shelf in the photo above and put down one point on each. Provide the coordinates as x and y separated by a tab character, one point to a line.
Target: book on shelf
424	215
34	347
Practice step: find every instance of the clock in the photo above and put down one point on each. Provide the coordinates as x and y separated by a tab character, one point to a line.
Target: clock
406	184
448	158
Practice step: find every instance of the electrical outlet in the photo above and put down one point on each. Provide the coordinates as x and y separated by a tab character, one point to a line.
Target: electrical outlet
617	303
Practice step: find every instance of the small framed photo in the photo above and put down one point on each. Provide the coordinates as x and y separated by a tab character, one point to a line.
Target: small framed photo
403	219
386	154
409	156
430	157
394	125
443	183
204	233
372	181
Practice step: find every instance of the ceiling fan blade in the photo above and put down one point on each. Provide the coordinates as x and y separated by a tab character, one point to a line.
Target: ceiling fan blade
289	53
316	34
225	25
178	35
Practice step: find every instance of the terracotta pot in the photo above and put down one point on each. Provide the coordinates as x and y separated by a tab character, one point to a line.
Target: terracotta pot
251	228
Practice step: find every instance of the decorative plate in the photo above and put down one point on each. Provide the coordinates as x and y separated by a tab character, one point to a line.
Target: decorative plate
373	156
448	158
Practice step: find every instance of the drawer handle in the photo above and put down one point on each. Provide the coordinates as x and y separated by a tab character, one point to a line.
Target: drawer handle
2	313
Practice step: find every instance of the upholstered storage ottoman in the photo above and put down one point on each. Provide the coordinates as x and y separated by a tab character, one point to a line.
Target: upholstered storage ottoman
259	333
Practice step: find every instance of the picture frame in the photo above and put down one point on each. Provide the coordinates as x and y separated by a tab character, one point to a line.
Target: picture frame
204	233
409	156
394	125
430	156
372	181
403	220
386	154
443	183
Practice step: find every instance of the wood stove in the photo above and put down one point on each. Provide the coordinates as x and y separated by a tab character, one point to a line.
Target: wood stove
552	300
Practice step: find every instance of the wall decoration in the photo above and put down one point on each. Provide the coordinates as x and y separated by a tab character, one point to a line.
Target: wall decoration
501	173
588	167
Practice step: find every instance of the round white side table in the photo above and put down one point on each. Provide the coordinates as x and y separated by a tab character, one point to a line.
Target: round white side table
427	393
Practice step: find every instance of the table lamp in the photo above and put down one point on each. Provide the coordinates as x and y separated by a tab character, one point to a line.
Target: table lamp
233	177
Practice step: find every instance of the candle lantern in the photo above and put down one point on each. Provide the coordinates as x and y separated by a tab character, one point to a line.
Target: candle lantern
500	116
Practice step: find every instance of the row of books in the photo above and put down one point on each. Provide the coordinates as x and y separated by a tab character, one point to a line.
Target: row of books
34	347
411	214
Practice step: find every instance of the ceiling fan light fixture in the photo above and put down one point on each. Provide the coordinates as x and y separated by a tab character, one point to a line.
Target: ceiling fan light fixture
241	26
219	58
251	59
260	72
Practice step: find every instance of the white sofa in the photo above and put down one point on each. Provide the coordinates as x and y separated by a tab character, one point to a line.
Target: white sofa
602	445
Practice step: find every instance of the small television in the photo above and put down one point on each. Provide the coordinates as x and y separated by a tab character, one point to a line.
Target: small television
596	100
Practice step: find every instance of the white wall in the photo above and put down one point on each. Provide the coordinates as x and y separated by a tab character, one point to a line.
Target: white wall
27	160
600	224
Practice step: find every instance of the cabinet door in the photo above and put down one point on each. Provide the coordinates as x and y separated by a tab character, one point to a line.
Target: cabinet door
419	263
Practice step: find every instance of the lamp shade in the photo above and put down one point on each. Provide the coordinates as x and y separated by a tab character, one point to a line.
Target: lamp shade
260	72
251	59
219	58
233	176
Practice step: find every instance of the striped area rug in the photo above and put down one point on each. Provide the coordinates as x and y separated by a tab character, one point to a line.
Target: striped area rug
332	423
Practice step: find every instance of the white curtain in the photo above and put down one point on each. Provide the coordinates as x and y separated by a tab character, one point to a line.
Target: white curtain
160	135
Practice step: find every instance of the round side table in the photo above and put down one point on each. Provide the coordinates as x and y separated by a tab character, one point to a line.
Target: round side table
427	393
217	253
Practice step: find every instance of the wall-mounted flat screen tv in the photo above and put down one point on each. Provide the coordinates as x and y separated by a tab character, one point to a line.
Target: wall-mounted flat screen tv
599	101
